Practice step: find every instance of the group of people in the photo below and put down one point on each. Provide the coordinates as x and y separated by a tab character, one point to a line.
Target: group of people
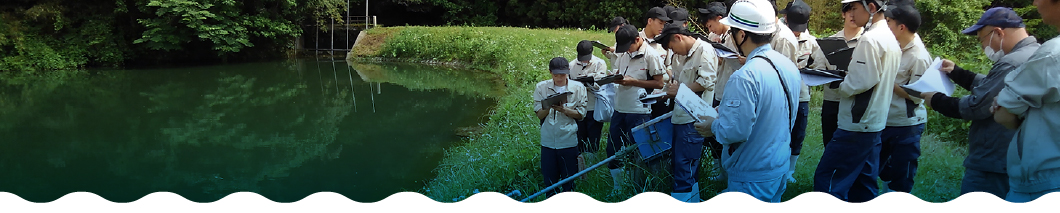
871	126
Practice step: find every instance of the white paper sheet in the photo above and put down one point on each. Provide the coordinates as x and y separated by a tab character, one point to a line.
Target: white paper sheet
933	80
815	80
693	104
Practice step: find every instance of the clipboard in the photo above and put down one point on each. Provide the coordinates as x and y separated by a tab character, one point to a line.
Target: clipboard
836	51
603	46
609	79
585	79
555	99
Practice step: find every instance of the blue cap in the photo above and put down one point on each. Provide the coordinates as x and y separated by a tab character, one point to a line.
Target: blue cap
1002	17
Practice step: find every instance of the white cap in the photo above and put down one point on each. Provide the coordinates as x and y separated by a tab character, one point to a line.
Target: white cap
848	1
756	16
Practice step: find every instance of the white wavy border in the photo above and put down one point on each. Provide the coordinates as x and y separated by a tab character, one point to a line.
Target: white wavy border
495	202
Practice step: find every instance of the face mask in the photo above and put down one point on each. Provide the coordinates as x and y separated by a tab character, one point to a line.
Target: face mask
991	53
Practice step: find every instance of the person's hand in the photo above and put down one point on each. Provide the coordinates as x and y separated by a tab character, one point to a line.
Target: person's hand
672	91
947	66
743	60
605	51
704	127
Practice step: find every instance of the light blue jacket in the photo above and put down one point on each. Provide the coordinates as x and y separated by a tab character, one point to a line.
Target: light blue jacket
756	117
1032	91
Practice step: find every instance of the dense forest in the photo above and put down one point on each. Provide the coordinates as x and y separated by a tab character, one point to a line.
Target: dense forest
69	34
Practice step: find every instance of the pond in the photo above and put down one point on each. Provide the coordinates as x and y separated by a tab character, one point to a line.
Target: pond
282	129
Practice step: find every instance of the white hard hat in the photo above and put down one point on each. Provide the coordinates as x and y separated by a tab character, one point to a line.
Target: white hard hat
878	2
756	16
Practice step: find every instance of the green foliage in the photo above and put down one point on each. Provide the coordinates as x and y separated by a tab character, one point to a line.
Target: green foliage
69	34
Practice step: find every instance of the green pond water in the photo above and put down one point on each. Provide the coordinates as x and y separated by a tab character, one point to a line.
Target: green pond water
284	129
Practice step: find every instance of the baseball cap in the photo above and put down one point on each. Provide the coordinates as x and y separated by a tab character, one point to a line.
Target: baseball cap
658	13
618	20
625	37
559	65
679	16
585	50
1002	17
669	9
798	15
667	33
714	9
904	14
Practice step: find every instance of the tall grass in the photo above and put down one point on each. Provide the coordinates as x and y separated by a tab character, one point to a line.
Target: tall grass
505	156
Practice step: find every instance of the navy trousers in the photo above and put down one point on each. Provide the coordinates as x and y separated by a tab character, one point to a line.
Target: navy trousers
849	166
687	150
558	164
829	120
798	133
589	131
898	156
621	135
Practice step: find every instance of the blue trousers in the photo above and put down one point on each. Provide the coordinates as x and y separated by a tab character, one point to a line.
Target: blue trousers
687	150
849	166
589	131
798	133
898	156
558	164
621	124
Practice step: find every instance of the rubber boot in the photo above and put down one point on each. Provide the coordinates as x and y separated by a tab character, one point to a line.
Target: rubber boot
616	175
791	169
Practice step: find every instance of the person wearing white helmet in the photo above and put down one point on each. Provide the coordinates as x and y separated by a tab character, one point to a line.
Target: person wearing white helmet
757	112
850	163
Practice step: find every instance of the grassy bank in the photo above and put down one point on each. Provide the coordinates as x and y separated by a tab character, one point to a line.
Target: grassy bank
505	156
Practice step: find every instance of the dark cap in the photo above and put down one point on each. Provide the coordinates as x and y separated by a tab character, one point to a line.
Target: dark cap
617	21
679	16
904	14
658	13
626	35
585	50
1002	17
559	65
798	15
667	33
714	9
669	9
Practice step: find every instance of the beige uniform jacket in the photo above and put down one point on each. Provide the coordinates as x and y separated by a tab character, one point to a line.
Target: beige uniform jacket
559	131
866	92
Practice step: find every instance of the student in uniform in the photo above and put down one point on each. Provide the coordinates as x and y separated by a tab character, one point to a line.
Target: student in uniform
900	140
808	55
657	19
849	165
712	16
758	111
851	32
695	66
559	128
642	69
612	27
998	29
589	130
1030	103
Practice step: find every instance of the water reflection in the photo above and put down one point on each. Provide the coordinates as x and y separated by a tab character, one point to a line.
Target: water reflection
205	132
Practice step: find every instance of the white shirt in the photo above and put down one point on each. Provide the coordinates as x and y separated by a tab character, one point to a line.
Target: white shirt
596	68
698	67
559	131
915	60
